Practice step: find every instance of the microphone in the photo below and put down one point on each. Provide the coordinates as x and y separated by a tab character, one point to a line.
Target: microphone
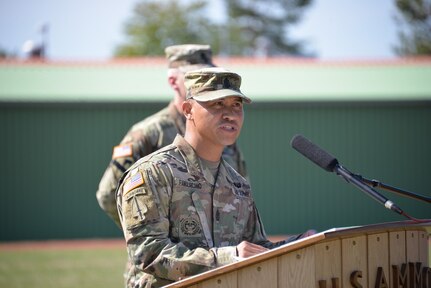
329	163
314	153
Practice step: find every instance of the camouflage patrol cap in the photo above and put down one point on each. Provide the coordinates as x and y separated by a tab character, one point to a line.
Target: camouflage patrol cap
208	84
180	56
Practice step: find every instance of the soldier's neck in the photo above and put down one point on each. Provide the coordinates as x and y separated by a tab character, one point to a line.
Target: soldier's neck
207	151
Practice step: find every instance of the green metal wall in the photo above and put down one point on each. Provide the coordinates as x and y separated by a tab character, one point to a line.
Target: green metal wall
55	154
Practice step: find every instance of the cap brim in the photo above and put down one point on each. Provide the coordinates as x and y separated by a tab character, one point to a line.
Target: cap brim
188	68
218	94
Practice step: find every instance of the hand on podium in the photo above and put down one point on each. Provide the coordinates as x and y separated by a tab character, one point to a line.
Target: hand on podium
307	233
295	237
246	249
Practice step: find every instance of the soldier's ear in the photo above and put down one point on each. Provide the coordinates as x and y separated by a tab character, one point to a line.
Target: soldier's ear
187	110
172	80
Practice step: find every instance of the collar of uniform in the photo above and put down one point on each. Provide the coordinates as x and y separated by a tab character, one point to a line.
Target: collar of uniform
192	159
209	176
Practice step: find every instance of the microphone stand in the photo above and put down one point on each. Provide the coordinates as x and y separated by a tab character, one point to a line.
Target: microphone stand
364	185
377	183
353	179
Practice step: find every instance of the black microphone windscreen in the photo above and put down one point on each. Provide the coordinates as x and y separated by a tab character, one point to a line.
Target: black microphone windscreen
314	153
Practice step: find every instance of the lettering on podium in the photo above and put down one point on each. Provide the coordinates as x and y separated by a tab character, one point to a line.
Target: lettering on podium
408	275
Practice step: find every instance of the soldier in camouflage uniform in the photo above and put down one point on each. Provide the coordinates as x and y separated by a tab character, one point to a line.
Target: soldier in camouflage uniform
161	128
184	209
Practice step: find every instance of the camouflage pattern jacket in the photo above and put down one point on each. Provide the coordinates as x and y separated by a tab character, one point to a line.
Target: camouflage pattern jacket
176	224
143	138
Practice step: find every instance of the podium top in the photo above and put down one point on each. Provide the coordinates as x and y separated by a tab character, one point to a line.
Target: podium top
345	232
331	234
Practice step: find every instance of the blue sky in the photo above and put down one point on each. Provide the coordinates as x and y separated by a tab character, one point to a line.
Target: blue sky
89	30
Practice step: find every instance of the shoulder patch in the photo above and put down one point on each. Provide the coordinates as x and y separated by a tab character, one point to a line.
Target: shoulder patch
122	151
133	182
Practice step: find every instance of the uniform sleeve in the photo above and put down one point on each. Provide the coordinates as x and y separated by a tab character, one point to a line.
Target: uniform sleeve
106	195
124	155
143	204
256	232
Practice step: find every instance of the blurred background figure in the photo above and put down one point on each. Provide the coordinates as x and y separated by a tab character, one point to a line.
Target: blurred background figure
37	50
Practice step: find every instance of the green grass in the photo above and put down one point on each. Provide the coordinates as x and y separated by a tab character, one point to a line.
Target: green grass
63	268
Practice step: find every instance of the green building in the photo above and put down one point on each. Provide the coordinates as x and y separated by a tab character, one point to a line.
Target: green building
59	122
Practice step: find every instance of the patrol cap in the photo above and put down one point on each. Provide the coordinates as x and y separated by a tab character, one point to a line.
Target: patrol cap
208	84
182	56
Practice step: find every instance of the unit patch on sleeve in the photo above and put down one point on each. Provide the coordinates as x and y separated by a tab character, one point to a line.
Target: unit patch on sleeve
122	151
133	182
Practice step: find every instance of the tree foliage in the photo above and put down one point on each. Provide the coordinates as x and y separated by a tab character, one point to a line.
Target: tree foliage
253	27
414	22
264	25
6	54
3	53
157	24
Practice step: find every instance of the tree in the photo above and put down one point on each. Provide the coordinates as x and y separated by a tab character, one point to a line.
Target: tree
254	27
5	54
157	24
262	26
414	23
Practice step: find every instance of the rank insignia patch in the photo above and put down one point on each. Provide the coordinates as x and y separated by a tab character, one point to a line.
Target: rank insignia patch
122	151
133	182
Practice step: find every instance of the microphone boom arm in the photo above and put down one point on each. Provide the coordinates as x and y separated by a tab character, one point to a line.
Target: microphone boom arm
377	183
351	178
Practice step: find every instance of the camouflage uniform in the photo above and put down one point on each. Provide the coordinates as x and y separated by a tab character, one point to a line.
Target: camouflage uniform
167	205
157	131
178	218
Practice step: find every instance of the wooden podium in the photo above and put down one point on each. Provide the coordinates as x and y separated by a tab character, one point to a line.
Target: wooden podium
382	255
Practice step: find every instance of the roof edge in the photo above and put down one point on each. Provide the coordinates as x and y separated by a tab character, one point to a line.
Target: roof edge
223	61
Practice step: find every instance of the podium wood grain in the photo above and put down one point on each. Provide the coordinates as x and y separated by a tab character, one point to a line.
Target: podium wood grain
328	260
397	250
378	256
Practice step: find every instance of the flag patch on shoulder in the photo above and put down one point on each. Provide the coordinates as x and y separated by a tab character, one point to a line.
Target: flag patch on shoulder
122	151
133	182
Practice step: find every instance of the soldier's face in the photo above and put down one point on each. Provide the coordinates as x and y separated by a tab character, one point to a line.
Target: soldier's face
176	81
219	121
181	87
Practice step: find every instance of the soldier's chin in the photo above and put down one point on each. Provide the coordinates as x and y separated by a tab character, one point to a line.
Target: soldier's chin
227	141
228	137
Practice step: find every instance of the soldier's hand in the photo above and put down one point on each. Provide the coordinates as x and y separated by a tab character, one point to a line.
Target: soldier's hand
246	249
308	233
